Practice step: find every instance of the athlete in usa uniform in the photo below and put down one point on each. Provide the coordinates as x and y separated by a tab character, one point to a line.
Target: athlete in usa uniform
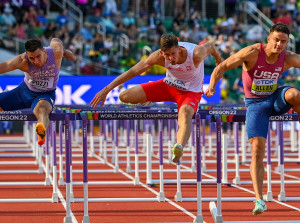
183	83
37	91
262	67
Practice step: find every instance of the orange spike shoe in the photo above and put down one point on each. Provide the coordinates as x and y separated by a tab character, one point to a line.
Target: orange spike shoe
41	133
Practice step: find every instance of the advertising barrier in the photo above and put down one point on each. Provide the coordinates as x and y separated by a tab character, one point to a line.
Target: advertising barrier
80	90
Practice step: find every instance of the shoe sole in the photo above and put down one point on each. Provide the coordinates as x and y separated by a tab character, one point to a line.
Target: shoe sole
257	212
41	132
177	154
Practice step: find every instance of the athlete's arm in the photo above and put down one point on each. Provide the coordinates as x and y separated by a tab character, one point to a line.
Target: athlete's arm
237	59
203	51
139	68
59	51
291	60
18	62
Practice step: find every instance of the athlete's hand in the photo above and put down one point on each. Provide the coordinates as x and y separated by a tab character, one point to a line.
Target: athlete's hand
210	92
99	97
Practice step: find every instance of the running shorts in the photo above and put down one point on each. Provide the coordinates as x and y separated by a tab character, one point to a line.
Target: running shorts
159	91
22	97
259	111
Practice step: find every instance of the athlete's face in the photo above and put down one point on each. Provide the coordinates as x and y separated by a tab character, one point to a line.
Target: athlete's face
171	55
277	41
37	58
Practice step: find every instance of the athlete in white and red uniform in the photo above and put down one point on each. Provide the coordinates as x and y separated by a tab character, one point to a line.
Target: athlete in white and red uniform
262	66
183	82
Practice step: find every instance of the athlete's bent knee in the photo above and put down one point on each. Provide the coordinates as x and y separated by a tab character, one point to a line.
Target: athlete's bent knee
292	95
124	96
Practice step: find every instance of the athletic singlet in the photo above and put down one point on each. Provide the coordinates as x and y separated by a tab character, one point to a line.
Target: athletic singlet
45	78
185	76
262	79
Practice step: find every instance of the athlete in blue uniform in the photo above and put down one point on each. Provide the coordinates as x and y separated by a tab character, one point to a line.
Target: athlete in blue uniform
37	91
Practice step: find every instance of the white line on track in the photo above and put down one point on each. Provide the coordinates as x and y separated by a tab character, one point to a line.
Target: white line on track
153	191
61	197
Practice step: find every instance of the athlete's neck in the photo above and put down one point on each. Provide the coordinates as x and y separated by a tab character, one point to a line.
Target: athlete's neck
182	55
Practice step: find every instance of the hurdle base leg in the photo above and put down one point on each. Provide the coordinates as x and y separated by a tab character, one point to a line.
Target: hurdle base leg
40	170
61	182
86	219
54	198
268	196
116	170
198	219
128	169
47	181
178	197
277	169
237	180
68	219
72	197
214	212
161	197
203	168
193	169
281	196
136	181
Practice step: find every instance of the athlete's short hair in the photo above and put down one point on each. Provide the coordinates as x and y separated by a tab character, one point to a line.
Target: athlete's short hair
167	41
32	45
280	27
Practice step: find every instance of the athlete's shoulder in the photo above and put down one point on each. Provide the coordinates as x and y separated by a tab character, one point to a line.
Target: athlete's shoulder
156	58
250	52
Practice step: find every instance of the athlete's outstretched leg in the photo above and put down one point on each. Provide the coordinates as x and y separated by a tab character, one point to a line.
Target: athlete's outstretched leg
185	115
41	111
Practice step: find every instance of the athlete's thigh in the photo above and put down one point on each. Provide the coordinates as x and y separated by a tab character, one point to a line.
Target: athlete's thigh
257	119
12	100
45	100
158	91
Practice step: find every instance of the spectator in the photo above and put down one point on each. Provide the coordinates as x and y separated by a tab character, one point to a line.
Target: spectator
41	17
21	31
108	43
184	34
77	44
254	34
108	23
17	9
266	7
86	32
110	7
96	17
62	19
8	18
99	4
224	86
50	30
129	19
30	16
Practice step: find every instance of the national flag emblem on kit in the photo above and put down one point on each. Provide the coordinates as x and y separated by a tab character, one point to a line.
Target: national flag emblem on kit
278	68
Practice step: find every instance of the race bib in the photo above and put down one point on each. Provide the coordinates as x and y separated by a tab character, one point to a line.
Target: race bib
263	86
42	83
181	85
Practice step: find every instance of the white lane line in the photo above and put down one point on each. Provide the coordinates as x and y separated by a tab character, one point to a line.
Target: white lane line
61	197
152	190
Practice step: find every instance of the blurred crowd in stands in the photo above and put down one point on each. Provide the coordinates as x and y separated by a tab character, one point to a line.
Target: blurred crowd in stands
100	42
